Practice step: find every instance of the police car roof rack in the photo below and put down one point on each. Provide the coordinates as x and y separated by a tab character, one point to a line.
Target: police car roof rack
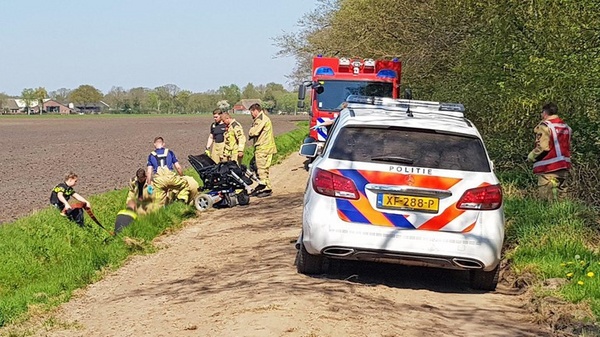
409	107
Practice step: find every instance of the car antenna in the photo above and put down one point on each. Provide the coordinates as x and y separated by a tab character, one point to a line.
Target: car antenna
408	96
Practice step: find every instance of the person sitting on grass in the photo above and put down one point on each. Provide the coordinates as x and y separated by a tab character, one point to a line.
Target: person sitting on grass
60	196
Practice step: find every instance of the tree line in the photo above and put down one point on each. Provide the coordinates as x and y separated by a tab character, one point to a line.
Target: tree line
169	98
502	59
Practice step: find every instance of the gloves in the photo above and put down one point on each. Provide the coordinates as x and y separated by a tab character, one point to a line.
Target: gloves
531	157
150	189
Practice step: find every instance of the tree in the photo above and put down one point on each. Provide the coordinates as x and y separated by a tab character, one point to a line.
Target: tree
166	97
28	95
300	44
250	92
182	99
86	94
116	98
60	95
138	99
3	98
501	59
40	95
230	93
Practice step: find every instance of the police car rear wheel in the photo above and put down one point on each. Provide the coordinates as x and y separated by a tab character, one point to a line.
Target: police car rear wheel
203	202
307	263
485	280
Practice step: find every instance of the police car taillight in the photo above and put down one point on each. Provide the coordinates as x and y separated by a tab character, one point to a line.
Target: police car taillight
481	198
333	185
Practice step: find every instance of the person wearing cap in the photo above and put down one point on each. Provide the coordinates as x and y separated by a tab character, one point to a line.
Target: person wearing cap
261	133
551	156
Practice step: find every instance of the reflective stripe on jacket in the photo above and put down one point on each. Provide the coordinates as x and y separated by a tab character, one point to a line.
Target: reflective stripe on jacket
559	156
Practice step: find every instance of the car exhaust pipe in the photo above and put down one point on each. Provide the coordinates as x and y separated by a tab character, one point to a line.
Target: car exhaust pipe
338	252
467	264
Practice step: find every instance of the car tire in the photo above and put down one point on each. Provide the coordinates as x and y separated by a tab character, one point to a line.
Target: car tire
203	202
485	280
307	263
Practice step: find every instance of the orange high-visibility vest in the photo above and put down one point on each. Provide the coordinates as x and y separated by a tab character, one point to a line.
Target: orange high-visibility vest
559	156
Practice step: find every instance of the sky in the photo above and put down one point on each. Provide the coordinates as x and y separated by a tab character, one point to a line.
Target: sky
198	45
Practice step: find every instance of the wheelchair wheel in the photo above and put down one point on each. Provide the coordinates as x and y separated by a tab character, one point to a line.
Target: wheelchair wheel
203	202
243	198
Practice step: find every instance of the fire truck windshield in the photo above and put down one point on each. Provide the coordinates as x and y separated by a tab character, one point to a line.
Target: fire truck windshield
335	92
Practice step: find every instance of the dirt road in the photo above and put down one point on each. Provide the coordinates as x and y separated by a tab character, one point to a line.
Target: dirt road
231	273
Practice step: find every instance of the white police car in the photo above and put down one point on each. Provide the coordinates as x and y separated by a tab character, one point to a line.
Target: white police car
407	182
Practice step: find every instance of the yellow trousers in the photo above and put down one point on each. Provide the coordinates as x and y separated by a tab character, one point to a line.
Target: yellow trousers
263	163
217	153
552	186
166	181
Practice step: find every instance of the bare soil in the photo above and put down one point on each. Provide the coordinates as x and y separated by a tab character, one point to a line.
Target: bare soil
105	151
230	272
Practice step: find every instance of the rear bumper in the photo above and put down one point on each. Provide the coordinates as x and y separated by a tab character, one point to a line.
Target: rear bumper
403	258
324	233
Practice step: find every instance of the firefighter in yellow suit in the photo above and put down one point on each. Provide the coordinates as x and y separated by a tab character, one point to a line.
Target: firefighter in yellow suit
235	140
551	156
261	133
160	175
138	195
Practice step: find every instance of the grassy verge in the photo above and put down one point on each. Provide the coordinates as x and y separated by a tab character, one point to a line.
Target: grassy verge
554	248
44	257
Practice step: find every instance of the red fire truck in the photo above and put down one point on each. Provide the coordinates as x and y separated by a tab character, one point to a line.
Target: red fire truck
334	79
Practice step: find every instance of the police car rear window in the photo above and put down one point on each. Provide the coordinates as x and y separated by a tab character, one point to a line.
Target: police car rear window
411	147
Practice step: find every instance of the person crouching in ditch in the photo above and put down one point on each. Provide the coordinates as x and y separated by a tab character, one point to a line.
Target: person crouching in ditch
60	196
139	195
160	176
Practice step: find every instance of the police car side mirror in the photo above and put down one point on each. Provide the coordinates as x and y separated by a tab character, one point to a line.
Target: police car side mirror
309	150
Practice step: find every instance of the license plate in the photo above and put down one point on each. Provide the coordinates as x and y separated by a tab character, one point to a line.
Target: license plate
408	202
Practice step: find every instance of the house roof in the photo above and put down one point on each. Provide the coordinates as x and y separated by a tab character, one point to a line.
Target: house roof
90	105
246	103
50	101
21	103
11	104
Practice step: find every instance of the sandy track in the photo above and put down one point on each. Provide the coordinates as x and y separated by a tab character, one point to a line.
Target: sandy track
231	273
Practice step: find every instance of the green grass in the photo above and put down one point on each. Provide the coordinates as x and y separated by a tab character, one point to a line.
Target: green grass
554	240
44	257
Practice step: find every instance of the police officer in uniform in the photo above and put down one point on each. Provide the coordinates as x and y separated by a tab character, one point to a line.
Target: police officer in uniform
235	140
161	177
60	196
261	133
551	156
216	138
